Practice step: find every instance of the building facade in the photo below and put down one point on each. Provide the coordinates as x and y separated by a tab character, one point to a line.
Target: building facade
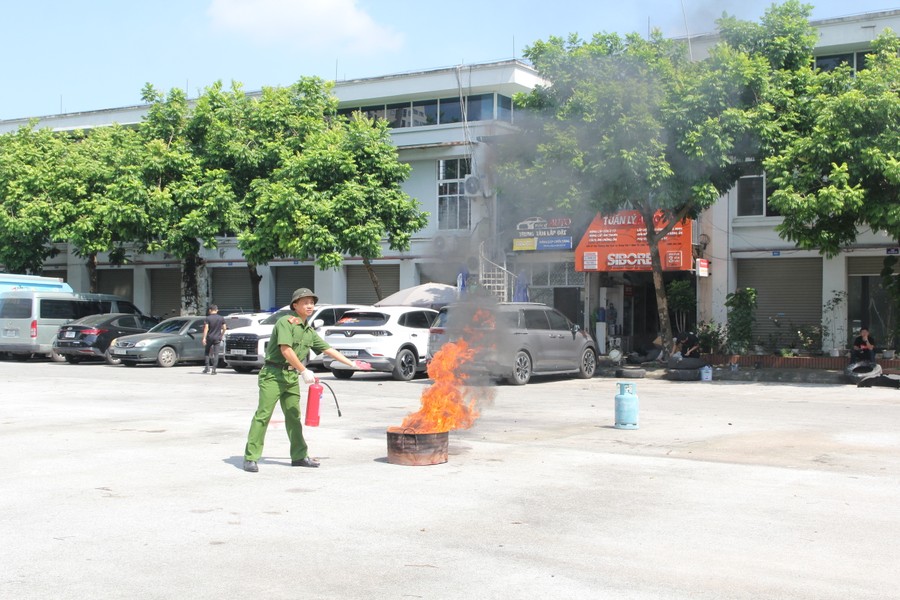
440	122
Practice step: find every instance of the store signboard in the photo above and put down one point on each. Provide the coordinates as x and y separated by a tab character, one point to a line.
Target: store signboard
618	242
702	267
537	233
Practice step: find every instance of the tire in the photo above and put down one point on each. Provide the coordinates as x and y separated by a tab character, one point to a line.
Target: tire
243	369
631	373
72	360
342	373
405	367
129	363
522	369
167	357
111	360
57	357
588	364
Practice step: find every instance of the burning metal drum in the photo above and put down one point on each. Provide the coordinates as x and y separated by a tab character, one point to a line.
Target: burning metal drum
406	447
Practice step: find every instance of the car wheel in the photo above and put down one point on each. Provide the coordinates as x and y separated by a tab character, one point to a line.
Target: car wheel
342	373
243	369
405	367
521	369
72	360
129	363
588	364
57	357
112	360
167	357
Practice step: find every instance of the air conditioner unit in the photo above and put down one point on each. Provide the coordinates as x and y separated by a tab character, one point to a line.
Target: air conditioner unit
445	243
472	186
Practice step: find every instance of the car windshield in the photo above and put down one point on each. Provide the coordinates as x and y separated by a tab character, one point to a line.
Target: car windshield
273	318
92	319
363	319
170	326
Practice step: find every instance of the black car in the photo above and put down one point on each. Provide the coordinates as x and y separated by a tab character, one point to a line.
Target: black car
89	337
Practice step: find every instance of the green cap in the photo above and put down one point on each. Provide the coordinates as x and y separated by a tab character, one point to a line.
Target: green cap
304	293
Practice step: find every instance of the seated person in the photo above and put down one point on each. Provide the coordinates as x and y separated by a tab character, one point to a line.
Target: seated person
863	347
687	344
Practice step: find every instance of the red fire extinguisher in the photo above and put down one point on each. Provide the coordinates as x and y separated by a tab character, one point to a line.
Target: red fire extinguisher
313	398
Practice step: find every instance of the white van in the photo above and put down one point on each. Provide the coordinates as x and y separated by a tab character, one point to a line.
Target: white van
29	320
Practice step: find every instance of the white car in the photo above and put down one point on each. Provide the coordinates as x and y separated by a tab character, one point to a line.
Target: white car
245	347
393	339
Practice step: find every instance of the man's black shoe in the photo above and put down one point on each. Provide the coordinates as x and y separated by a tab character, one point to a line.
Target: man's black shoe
250	466
305	462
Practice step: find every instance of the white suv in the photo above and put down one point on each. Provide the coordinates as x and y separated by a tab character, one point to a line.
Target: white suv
245	347
393	339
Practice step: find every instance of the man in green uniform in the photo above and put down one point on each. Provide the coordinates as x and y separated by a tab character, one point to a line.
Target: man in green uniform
291	338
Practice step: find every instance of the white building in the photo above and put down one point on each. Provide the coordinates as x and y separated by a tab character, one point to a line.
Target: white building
441	141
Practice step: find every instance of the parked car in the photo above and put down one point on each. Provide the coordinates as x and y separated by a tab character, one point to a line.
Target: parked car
517	340
89	337
245	348
31	319
240	320
393	339
179	339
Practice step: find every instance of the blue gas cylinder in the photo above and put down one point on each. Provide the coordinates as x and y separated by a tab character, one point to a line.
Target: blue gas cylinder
626	406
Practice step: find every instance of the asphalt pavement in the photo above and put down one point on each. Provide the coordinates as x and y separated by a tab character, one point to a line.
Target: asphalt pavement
127	483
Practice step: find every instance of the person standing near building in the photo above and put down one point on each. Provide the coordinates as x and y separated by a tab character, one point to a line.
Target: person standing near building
213	332
292	337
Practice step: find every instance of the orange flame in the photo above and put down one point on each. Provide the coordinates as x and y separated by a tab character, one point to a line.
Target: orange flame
447	403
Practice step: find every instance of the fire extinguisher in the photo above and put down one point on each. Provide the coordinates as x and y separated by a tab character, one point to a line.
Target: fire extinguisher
313	398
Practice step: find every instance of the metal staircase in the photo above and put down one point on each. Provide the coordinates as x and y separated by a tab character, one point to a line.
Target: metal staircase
494	278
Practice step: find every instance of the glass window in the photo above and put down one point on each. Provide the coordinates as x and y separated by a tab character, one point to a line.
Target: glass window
450	111
558	320
829	63
15	308
480	107
373	112
399	115
453	204
424	113
59	309
536	319
504	108
860	61
363	319
750	196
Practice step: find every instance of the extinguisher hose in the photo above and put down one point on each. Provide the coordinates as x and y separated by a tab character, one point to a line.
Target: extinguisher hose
333	395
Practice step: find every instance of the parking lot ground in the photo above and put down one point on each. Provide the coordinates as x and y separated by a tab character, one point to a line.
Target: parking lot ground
127	483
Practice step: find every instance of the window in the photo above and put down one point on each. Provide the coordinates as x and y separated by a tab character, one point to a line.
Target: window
504	108
424	113
450	111
753	193
480	108
536	319
829	63
398	115
453	204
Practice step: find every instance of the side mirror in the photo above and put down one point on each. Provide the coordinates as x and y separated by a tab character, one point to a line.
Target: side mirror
318	323
193	330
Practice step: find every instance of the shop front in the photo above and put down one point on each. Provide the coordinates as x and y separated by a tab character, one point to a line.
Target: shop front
620	298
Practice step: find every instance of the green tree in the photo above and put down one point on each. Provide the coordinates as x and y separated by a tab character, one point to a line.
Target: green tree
100	180
633	123
189	203
31	215
339	196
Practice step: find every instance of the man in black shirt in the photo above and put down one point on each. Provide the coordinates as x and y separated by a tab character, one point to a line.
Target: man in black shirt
213	332
864	346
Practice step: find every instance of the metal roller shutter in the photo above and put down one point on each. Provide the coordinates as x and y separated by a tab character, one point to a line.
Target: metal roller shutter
288	279
165	292
231	290
359	285
865	265
116	281
789	292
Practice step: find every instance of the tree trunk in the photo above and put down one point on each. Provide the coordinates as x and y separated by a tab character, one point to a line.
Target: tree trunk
374	278
194	285
662	303
93	279
255	278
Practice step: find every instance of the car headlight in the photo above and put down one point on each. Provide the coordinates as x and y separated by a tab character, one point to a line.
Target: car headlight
142	344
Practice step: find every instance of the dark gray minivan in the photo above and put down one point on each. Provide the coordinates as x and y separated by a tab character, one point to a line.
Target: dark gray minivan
515	340
29	320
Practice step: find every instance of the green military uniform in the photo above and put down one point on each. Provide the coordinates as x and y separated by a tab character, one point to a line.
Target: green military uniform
278	382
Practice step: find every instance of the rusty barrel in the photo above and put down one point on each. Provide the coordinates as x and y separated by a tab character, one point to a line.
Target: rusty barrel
407	447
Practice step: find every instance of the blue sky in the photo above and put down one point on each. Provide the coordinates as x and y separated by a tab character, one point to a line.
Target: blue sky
64	56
